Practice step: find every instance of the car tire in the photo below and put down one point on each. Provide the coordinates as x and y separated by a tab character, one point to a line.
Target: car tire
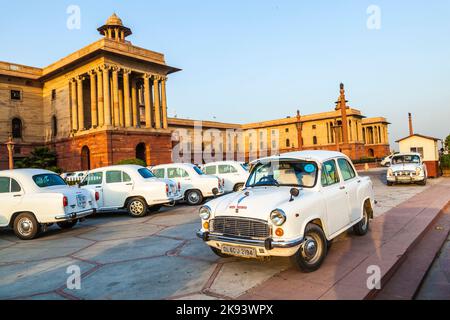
238	187
362	227
390	184
194	197
137	207
423	182
26	227
67	224
219	253
313	250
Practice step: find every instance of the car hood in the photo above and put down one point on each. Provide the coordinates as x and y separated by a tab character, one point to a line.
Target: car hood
405	167
255	203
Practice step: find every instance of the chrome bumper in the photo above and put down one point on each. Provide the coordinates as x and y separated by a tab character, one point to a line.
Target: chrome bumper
76	215
268	243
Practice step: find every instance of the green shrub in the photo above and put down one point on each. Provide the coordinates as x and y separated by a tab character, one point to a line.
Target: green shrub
138	162
40	158
445	161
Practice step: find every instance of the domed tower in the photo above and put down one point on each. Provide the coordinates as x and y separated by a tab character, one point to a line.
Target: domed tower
114	29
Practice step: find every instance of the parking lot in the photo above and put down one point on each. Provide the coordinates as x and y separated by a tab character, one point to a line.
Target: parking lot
156	257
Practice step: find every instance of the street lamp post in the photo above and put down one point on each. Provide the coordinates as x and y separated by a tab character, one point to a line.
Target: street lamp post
10	146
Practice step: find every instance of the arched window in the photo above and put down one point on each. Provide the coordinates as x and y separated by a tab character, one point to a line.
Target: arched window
54	126
141	152
16	128
85	159
314	140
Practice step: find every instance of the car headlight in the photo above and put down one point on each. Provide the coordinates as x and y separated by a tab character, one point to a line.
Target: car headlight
418	171
205	212
278	217
390	172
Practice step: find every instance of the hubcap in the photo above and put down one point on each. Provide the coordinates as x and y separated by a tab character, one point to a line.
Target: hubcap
193	197
311	249
25	226
136	207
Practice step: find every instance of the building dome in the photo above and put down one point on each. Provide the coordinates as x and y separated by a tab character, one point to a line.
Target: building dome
114	20
114	29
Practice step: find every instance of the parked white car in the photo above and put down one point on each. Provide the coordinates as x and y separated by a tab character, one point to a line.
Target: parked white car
77	176
386	162
194	184
293	205
233	173
407	168
33	199
130	187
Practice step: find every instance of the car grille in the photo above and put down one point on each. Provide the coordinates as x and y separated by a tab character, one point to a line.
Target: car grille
405	173
241	227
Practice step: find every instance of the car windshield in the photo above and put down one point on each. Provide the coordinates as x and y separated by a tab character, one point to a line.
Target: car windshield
48	180
145	173
294	173
406	159
198	170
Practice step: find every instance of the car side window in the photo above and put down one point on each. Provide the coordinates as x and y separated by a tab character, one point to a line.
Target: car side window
346	169
159	173
173	173
126	177
5	185
15	187
211	170
113	176
330	175
224	169
93	179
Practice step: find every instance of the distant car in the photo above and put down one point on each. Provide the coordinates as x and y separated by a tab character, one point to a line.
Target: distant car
292	206
77	176
195	186
386	162
233	173
33	199
130	187
407	168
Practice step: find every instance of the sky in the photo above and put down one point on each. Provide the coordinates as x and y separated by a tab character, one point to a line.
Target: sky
255	60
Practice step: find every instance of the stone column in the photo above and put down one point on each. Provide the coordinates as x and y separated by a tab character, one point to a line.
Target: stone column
115	94
164	102
94	113
148	101
126	95
80	103
157	99
106	96
100	100
121	113
73	96
134	105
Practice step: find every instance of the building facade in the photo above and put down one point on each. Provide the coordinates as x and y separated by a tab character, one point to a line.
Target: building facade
107	102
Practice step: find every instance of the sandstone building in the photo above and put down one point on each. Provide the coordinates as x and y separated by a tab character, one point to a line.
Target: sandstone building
107	102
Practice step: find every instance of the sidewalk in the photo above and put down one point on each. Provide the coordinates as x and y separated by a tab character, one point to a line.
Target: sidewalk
344	273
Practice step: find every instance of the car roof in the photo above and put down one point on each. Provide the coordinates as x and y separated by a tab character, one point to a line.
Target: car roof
118	167
174	165
314	155
407	154
222	162
19	173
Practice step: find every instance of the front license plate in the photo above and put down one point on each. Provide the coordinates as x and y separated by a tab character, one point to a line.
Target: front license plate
239	251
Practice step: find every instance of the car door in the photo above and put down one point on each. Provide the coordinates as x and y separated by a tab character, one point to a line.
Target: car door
11	195
181	176
116	188
351	182
94	182
335	198
230	175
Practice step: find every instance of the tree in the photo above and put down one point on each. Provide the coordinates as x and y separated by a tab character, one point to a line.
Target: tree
40	158
447	142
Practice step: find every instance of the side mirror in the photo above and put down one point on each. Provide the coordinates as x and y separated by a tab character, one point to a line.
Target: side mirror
294	194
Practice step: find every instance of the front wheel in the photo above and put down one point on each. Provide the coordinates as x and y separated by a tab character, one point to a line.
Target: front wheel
26	226
67	224
194	197
423	182
362	227
313	251
137	207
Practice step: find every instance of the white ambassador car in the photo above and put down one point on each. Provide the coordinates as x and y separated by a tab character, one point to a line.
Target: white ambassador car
293	205
233	173
407	168
32	200
195	186
130	187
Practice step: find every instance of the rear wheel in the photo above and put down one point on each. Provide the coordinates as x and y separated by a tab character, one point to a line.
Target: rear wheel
362	227
26	226
194	197
238	187
313	251
219	253
67	224
137	207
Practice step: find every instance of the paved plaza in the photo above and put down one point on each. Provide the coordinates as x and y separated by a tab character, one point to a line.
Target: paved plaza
159	257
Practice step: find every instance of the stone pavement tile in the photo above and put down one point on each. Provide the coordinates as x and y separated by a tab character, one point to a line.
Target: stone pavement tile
235	278
345	292
197	296
197	249
22	280
291	290
5	243
436	292
127	249
252	296
174	219
106	219
185	231
121	232
41	250
148	279
45	297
